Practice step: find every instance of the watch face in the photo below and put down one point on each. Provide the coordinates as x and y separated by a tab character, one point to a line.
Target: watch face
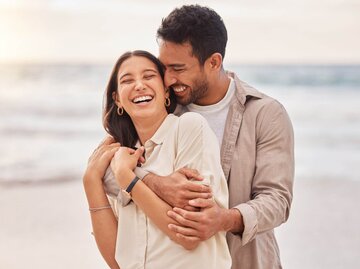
125	194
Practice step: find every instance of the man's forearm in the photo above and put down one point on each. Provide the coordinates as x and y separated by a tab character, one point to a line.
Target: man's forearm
150	180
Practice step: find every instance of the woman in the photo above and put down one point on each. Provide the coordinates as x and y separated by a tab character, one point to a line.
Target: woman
136	113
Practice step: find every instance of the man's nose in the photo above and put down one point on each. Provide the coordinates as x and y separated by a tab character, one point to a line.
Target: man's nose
169	79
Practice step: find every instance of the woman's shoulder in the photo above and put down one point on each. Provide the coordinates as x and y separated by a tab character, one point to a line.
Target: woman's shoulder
192	118
192	123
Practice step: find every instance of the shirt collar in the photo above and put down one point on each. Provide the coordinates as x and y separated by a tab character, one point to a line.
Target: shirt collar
243	90
168	123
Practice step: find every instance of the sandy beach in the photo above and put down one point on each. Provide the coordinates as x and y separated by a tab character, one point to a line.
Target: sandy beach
47	226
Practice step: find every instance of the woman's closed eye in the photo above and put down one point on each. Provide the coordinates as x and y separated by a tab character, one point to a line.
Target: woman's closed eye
149	76
126	81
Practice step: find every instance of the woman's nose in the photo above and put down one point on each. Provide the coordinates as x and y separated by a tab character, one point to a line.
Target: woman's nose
139	85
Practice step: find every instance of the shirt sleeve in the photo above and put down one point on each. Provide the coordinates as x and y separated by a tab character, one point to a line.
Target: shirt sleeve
198	148
272	185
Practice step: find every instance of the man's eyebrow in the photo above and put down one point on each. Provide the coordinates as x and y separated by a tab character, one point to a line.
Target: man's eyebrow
175	65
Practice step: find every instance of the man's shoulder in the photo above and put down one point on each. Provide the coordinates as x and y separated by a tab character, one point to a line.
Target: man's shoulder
251	95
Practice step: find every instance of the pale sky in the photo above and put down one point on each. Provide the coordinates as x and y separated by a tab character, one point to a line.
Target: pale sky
260	31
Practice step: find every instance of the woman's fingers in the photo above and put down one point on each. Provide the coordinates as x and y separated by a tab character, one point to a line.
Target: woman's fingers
139	152
105	150
107	140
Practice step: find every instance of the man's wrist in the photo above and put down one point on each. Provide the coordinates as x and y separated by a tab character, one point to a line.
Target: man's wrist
150	181
233	221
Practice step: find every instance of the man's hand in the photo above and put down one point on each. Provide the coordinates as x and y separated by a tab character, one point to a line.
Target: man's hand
201	225
204	224
176	189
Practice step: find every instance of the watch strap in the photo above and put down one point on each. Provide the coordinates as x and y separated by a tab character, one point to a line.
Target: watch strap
132	184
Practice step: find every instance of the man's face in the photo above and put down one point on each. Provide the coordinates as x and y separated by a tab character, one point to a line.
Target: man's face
183	73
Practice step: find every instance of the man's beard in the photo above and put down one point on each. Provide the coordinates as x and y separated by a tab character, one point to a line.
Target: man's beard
198	90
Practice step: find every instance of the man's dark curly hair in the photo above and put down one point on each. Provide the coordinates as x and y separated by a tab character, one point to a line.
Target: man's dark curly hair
201	26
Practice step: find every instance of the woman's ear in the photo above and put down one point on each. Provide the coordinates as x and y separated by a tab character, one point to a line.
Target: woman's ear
116	99
167	92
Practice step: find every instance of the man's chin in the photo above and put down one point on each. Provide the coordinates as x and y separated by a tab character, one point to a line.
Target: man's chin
183	101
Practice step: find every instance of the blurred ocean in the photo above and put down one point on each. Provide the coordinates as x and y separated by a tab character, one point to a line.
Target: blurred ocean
50	118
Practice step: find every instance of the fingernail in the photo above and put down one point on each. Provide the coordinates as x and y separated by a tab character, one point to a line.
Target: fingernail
191	202
169	213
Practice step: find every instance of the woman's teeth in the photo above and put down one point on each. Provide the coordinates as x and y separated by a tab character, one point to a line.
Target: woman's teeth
142	99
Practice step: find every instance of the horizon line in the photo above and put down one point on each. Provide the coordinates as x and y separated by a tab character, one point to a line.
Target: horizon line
233	63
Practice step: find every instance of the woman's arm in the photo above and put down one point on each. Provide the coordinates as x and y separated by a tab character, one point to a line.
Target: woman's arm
103	221
156	209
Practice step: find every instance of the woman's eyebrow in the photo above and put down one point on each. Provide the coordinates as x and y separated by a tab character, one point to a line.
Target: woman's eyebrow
126	74
150	69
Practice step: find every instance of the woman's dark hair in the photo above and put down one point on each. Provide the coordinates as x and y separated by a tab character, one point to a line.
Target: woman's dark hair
201	26
122	127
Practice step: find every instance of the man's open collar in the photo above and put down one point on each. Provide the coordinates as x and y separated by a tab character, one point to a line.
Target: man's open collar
243	90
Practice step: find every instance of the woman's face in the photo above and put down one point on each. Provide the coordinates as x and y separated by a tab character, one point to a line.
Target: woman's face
141	92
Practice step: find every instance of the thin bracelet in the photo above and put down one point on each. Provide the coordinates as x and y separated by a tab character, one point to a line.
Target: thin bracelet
94	209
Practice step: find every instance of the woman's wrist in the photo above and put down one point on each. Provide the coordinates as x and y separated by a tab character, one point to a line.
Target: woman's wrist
124	178
91	181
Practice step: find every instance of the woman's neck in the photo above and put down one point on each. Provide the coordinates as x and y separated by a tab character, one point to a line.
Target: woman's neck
146	128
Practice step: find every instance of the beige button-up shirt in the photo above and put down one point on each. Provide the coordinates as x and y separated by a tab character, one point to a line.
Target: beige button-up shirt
185	141
257	156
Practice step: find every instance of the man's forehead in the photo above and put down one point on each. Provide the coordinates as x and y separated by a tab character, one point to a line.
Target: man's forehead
171	53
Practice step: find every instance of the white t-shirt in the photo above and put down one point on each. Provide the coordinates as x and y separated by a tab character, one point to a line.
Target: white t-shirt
185	141
216	114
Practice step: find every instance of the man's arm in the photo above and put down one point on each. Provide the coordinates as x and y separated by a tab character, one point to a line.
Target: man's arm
271	191
177	189
272	185
204	224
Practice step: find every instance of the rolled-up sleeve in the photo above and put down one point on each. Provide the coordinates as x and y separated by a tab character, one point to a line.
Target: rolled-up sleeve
272	185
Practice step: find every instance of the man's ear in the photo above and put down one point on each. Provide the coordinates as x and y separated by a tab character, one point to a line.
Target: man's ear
214	61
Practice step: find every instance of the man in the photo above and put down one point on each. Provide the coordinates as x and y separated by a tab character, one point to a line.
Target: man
256	140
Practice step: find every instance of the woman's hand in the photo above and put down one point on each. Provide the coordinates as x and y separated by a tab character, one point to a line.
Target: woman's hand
124	162
100	159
